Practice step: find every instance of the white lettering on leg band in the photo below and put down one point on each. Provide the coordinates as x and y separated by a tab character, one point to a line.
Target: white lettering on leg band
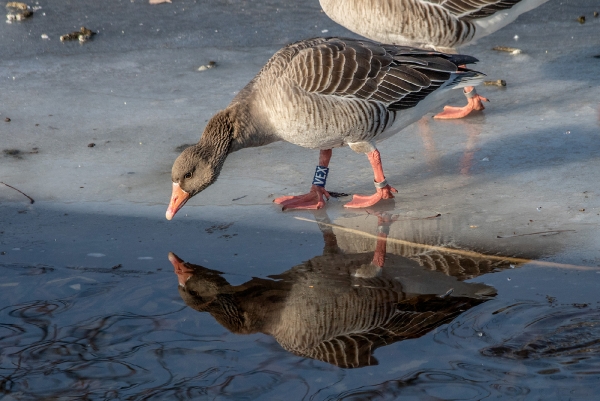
320	176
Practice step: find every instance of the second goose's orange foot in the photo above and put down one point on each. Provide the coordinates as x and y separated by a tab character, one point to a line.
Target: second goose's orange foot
359	201
451	112
310	201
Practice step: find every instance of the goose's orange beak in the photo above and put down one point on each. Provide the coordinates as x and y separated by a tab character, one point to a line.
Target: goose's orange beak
178	199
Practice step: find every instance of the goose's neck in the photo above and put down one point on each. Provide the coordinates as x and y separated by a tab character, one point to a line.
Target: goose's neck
230	130
237	127
217	143
249	127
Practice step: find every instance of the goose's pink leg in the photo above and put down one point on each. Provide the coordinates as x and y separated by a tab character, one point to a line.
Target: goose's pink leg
474	103
384	191
313	199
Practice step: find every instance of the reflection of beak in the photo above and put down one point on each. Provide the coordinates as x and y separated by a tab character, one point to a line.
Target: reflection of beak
178	199
181	270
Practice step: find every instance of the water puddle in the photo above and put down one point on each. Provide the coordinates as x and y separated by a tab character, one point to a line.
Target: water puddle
387	307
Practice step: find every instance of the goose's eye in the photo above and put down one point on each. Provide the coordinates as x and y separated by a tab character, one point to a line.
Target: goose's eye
188	176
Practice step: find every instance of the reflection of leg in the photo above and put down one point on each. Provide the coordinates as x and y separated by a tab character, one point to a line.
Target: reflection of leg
313	199
474	103
380	248
374	269
324	223
384	190
466	162
384	220
431	155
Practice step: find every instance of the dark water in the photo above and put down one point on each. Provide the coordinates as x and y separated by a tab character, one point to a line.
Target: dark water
263	314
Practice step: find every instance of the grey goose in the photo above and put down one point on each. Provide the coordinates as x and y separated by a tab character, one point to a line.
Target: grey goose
441	25
317	311
328	309
324	93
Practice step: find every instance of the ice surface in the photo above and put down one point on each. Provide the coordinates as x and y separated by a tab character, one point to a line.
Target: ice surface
135	92
138	96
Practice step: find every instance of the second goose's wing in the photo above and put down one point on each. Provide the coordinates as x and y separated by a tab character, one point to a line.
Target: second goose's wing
474	9
487	15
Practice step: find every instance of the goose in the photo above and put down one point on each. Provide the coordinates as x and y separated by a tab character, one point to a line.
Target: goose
323	93
442	25
328	309
319	311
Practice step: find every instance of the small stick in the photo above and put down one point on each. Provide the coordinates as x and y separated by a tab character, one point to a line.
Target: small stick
21	192
462	252
511	50
396	217
540	232
16	4
499	82
420	218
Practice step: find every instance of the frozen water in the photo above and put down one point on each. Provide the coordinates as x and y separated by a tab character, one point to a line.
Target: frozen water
135	92
138	96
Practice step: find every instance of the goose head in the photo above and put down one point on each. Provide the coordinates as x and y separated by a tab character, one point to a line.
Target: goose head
199	166
192	172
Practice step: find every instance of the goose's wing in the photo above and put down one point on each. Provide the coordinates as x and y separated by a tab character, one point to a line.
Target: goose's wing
399	77
486	16
413	318
475	9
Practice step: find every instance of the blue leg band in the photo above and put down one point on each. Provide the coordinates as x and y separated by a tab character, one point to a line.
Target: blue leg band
320	176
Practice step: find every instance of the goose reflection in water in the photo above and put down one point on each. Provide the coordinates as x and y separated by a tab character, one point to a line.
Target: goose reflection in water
340	307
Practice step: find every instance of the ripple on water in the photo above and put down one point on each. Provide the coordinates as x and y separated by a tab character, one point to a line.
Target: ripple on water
38	309
51	357
565	335
28	270
248	386
528	349
422	385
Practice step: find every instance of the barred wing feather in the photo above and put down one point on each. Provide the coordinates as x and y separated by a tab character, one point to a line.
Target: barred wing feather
397	76
474	9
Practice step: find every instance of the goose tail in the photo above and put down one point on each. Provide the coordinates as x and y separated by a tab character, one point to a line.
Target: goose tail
461	59
464	76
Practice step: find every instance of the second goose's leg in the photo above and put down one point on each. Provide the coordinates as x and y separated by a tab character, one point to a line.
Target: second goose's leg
313	199
474	103
384	190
